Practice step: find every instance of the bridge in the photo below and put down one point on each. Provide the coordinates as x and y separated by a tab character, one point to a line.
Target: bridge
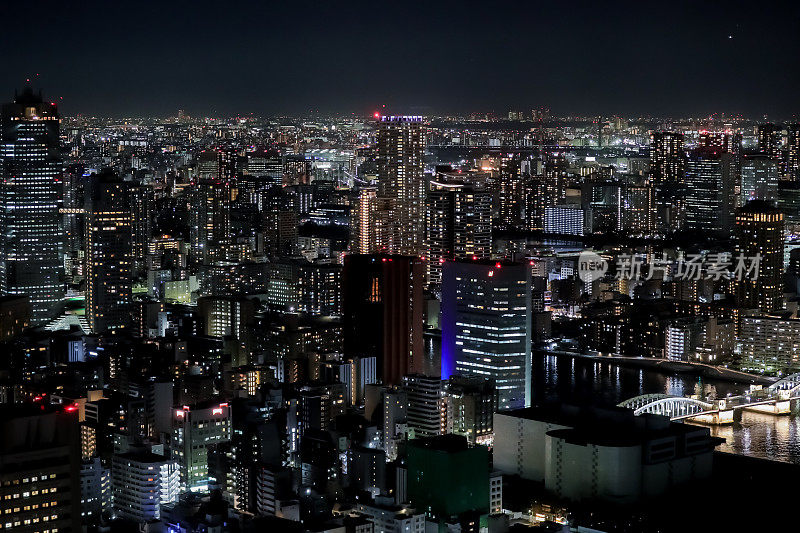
776	399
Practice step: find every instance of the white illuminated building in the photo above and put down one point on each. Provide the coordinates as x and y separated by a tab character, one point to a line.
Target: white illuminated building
486	326
141	483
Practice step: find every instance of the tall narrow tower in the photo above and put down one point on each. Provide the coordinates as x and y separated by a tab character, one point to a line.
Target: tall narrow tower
210	217
401	144
108	255
30	238
759	233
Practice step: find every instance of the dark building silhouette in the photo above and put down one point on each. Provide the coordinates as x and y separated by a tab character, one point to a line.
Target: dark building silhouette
39	468
382	300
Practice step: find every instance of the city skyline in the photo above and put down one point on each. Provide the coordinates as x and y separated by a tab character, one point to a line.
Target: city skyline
451	267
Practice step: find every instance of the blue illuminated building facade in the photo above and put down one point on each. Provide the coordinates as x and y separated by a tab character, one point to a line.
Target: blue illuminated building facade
486	326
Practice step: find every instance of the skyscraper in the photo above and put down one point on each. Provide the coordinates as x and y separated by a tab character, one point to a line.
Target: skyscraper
194	429
511	194
209	217
667	159
459	221
639	215
759	178
759	232
382	316
366	231
30	237
108	254
710	196
486	326
142	202
543	191
667	170
770	140
793	153
400	146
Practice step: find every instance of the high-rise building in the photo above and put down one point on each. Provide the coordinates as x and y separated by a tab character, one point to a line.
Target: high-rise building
296	170
209	217
382	312
210	199
362	225
424	415
667	170
545	190
449	478
400	144
486	326
789	202
793	153
95	489
141	483
724	141
40	469
266	165
142	203
393	423
220	165
769	345
108	254
667	158
605	200
565	220
15	316
459	221
313	288
194	429
470	404
770	140
681	338
639	213
511	194
711	192
759	233
759	178
30	238
226	316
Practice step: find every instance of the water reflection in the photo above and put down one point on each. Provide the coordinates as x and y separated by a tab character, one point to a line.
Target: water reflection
762	435
600	383
575	380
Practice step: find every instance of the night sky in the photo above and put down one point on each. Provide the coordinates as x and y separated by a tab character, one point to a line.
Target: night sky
221	58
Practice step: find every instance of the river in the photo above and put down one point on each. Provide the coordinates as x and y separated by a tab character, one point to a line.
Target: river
568	379
571	380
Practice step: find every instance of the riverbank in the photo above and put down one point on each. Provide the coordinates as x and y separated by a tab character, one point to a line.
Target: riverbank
665	366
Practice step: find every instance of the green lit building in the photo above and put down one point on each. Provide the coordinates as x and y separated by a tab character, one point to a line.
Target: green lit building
449	480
